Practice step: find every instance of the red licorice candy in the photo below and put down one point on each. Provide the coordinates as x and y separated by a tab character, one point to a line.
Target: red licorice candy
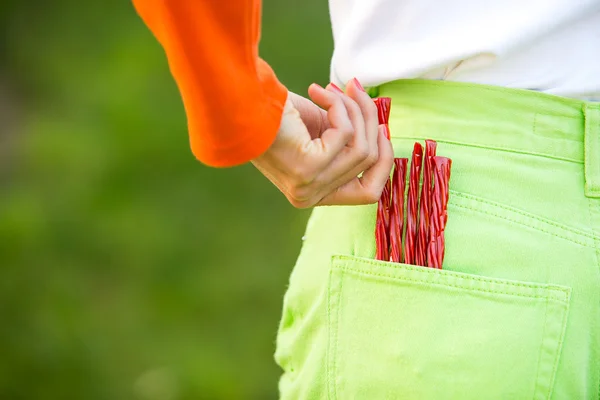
384	105
426	215
382	226
424	205
383	217
439	211
397	209
412	204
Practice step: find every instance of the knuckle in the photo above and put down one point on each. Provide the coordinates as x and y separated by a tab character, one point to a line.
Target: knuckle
372	158
362	152
302	196
299	192
347	132
294	202
389	159
302	174
372	195
300	204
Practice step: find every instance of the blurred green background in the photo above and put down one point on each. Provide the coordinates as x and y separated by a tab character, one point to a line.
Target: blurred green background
128	269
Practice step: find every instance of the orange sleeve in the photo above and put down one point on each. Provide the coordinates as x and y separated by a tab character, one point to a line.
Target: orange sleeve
232	98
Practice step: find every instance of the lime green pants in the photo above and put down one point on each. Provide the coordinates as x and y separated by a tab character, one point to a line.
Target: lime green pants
514	314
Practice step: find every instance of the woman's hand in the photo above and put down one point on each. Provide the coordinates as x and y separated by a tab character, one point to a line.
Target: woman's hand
322	148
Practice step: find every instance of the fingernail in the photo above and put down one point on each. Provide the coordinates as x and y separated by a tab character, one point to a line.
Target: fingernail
358	85
336	88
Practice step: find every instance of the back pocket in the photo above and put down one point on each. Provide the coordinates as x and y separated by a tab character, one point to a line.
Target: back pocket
403	332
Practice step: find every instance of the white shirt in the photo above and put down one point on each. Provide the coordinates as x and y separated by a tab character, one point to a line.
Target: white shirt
547	45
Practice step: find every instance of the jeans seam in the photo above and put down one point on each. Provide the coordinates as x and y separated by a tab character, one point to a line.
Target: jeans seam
593	235
337	327
591	212
560	343
591	142
454	274
554	234
537	379
491	88
495	147
548	296
332	348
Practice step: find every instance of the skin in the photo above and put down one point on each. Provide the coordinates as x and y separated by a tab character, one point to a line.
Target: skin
329	151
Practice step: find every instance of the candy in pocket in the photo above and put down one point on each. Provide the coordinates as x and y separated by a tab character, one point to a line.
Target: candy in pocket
410	226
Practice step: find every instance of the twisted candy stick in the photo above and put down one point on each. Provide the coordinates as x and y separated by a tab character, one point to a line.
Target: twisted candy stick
439	212
424	206
412	202
446	180
397	211
382	224
384	104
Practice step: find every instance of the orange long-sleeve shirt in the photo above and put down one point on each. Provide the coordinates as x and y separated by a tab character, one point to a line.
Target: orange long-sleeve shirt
232	98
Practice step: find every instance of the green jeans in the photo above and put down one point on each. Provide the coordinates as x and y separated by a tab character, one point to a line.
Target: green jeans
514	314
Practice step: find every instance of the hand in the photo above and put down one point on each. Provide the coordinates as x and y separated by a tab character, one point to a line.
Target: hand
322	148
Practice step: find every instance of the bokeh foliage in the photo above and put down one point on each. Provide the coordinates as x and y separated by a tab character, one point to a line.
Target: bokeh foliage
128	269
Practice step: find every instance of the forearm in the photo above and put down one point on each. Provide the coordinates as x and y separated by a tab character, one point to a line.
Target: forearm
232	98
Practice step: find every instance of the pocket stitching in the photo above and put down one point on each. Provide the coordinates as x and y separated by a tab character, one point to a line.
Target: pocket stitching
560	342
540	354
494	147
595	212
358	272
348	270
337	324
333	339
523	224
424	270
524	214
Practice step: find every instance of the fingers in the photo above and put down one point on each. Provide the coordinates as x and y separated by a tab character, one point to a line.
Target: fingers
359	139
356	96
323	169
366	189
362	152
334	139
369	112
315	155
359	155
